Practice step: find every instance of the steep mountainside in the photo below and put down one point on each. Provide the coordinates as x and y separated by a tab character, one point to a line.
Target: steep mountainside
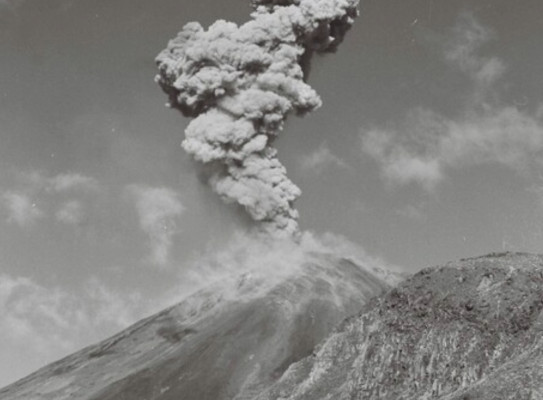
466	330
231	340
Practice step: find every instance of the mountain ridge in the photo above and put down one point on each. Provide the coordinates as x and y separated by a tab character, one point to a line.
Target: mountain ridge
465	330
449	332
231	339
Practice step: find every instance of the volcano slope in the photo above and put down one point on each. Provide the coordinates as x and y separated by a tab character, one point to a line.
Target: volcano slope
466	330
231	340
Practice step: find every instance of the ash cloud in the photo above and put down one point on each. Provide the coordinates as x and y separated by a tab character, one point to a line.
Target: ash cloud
266	262
240	83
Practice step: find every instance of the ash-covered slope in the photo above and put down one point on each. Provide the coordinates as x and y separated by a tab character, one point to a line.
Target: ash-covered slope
466	330
231	340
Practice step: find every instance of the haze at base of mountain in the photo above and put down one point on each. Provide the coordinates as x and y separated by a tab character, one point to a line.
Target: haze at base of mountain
230	340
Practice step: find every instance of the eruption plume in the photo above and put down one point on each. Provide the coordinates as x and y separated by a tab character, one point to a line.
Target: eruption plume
240	83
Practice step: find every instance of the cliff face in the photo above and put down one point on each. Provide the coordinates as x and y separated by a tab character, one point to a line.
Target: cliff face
466	330
231	340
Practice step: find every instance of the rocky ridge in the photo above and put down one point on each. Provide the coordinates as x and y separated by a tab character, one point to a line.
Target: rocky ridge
466	330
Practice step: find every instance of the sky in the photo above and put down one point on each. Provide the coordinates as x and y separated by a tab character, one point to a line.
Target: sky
428	148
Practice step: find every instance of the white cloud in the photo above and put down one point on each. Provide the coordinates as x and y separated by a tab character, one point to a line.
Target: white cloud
54	319
71	212
65	182
47	323
21	209
158	210
30	188
422	146
503	136
321	158
37	181
255	256
468	37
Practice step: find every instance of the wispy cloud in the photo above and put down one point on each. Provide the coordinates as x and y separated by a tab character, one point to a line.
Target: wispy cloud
72	181
21	209
428	143
424	144
34	187
321	158
70	212
49	322
38	181
461	51
46	317
158	210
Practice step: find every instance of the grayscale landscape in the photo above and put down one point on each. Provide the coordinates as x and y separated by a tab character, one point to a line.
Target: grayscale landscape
271	200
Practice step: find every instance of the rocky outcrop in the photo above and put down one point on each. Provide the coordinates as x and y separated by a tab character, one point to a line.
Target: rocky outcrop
466	330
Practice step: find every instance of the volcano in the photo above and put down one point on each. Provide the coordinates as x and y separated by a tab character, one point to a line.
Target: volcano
326	329
230	340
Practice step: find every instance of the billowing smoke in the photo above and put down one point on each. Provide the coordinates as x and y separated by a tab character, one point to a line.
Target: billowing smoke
240	83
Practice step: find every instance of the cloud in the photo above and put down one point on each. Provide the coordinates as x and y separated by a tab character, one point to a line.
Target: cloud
49	322
21	209
72	181
425	144
158	210
505	136
320	159
461	52
264	261
32	187
36	181
45	317
71	212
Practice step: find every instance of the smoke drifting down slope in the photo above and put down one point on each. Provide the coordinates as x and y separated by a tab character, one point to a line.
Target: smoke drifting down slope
230	340
240	83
